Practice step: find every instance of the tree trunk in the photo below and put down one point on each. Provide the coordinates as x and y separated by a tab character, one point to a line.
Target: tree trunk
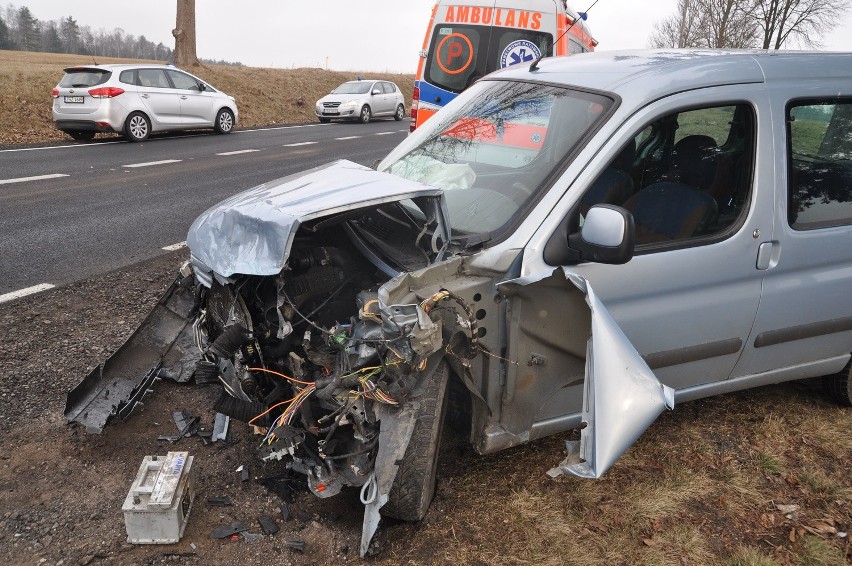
184	32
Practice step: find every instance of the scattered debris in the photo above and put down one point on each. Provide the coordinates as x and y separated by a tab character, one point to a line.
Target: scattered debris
223	501
220	427
285	513
244	473
251	537
225	531
186	425
296	544
268	525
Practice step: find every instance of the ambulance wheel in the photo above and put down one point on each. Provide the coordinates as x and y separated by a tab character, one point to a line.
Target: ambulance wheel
365	114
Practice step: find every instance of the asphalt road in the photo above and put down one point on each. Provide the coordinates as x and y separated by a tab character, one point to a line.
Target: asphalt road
71	211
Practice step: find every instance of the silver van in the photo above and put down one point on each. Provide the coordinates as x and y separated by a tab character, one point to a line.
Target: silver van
578	243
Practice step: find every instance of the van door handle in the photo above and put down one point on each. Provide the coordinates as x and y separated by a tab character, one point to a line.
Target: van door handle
183	97
145	95
767	255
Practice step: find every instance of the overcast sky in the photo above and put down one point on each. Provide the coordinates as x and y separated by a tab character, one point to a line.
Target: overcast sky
370	35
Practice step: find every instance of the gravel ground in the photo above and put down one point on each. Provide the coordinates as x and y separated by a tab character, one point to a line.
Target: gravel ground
61	490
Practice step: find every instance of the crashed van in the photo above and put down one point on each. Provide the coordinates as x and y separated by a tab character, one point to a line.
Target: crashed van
577	243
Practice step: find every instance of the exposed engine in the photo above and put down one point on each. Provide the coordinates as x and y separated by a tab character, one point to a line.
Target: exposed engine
307	354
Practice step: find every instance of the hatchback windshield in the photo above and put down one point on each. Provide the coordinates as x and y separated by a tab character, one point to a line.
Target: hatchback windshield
495	146
353	88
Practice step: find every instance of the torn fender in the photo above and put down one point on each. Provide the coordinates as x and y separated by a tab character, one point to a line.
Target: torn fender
162	346
621	395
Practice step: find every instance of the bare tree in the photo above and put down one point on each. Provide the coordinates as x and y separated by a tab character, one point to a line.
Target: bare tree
729	24
805	21
681	29
184	32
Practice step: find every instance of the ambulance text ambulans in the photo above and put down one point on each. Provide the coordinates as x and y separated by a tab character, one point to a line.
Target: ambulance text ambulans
467	39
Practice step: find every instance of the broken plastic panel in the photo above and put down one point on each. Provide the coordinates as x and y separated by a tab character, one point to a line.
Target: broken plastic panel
621	396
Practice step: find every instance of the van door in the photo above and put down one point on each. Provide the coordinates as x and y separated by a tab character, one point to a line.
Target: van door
804	324
695	170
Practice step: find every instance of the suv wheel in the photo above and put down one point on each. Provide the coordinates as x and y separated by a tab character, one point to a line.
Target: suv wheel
224	121
400	113
365	114
137	127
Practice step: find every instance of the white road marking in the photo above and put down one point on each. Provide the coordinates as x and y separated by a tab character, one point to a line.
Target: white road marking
60	146
24	292
238	152
348	138
279	128
173	247
150	163
406	131
298	144
35	178
385	133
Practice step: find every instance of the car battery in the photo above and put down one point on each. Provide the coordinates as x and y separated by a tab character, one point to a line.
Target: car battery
157	506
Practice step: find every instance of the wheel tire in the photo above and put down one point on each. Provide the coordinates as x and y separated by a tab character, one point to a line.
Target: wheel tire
414	485
365	115
324	120
839	385
137	127
400	113
224	121
82	135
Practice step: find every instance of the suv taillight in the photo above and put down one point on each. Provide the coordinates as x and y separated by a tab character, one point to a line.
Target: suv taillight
55	93
106	92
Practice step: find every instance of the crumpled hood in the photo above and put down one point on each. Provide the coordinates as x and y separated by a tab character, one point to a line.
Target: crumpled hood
251	233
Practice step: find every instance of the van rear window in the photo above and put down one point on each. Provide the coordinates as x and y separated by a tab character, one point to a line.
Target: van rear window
84	78
462	54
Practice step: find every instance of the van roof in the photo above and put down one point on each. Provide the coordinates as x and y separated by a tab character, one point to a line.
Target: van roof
654	73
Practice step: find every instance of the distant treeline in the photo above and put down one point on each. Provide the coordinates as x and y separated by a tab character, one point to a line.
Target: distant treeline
21	31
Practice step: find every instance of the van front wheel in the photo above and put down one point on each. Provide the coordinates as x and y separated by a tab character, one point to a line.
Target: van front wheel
365	115
414	485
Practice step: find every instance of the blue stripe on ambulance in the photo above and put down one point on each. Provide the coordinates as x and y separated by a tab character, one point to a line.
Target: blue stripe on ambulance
429	92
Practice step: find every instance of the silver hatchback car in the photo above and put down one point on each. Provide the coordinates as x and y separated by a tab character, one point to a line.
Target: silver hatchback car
362	100
136	100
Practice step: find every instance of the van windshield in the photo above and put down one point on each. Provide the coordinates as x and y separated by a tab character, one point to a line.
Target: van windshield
462	54
359	87
495	146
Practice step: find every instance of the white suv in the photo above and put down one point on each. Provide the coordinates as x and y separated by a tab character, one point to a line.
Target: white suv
136	100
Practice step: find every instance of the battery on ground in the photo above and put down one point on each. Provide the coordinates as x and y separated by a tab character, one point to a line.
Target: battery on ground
157	506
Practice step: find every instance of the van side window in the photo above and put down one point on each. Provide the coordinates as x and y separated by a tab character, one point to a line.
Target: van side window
685	176
819	169
182	80
127	77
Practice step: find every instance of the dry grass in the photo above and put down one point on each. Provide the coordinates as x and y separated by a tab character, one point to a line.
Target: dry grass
700	487
264	96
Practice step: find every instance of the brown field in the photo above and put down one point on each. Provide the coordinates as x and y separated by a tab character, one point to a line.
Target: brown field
264	96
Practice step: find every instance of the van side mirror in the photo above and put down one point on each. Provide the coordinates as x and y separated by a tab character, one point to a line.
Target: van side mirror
608	235
376	91
202	87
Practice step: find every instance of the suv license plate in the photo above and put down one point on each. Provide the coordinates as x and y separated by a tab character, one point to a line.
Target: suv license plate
74	99
331	112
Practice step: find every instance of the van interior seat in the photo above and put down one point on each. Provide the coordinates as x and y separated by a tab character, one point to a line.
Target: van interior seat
670	211
695	161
